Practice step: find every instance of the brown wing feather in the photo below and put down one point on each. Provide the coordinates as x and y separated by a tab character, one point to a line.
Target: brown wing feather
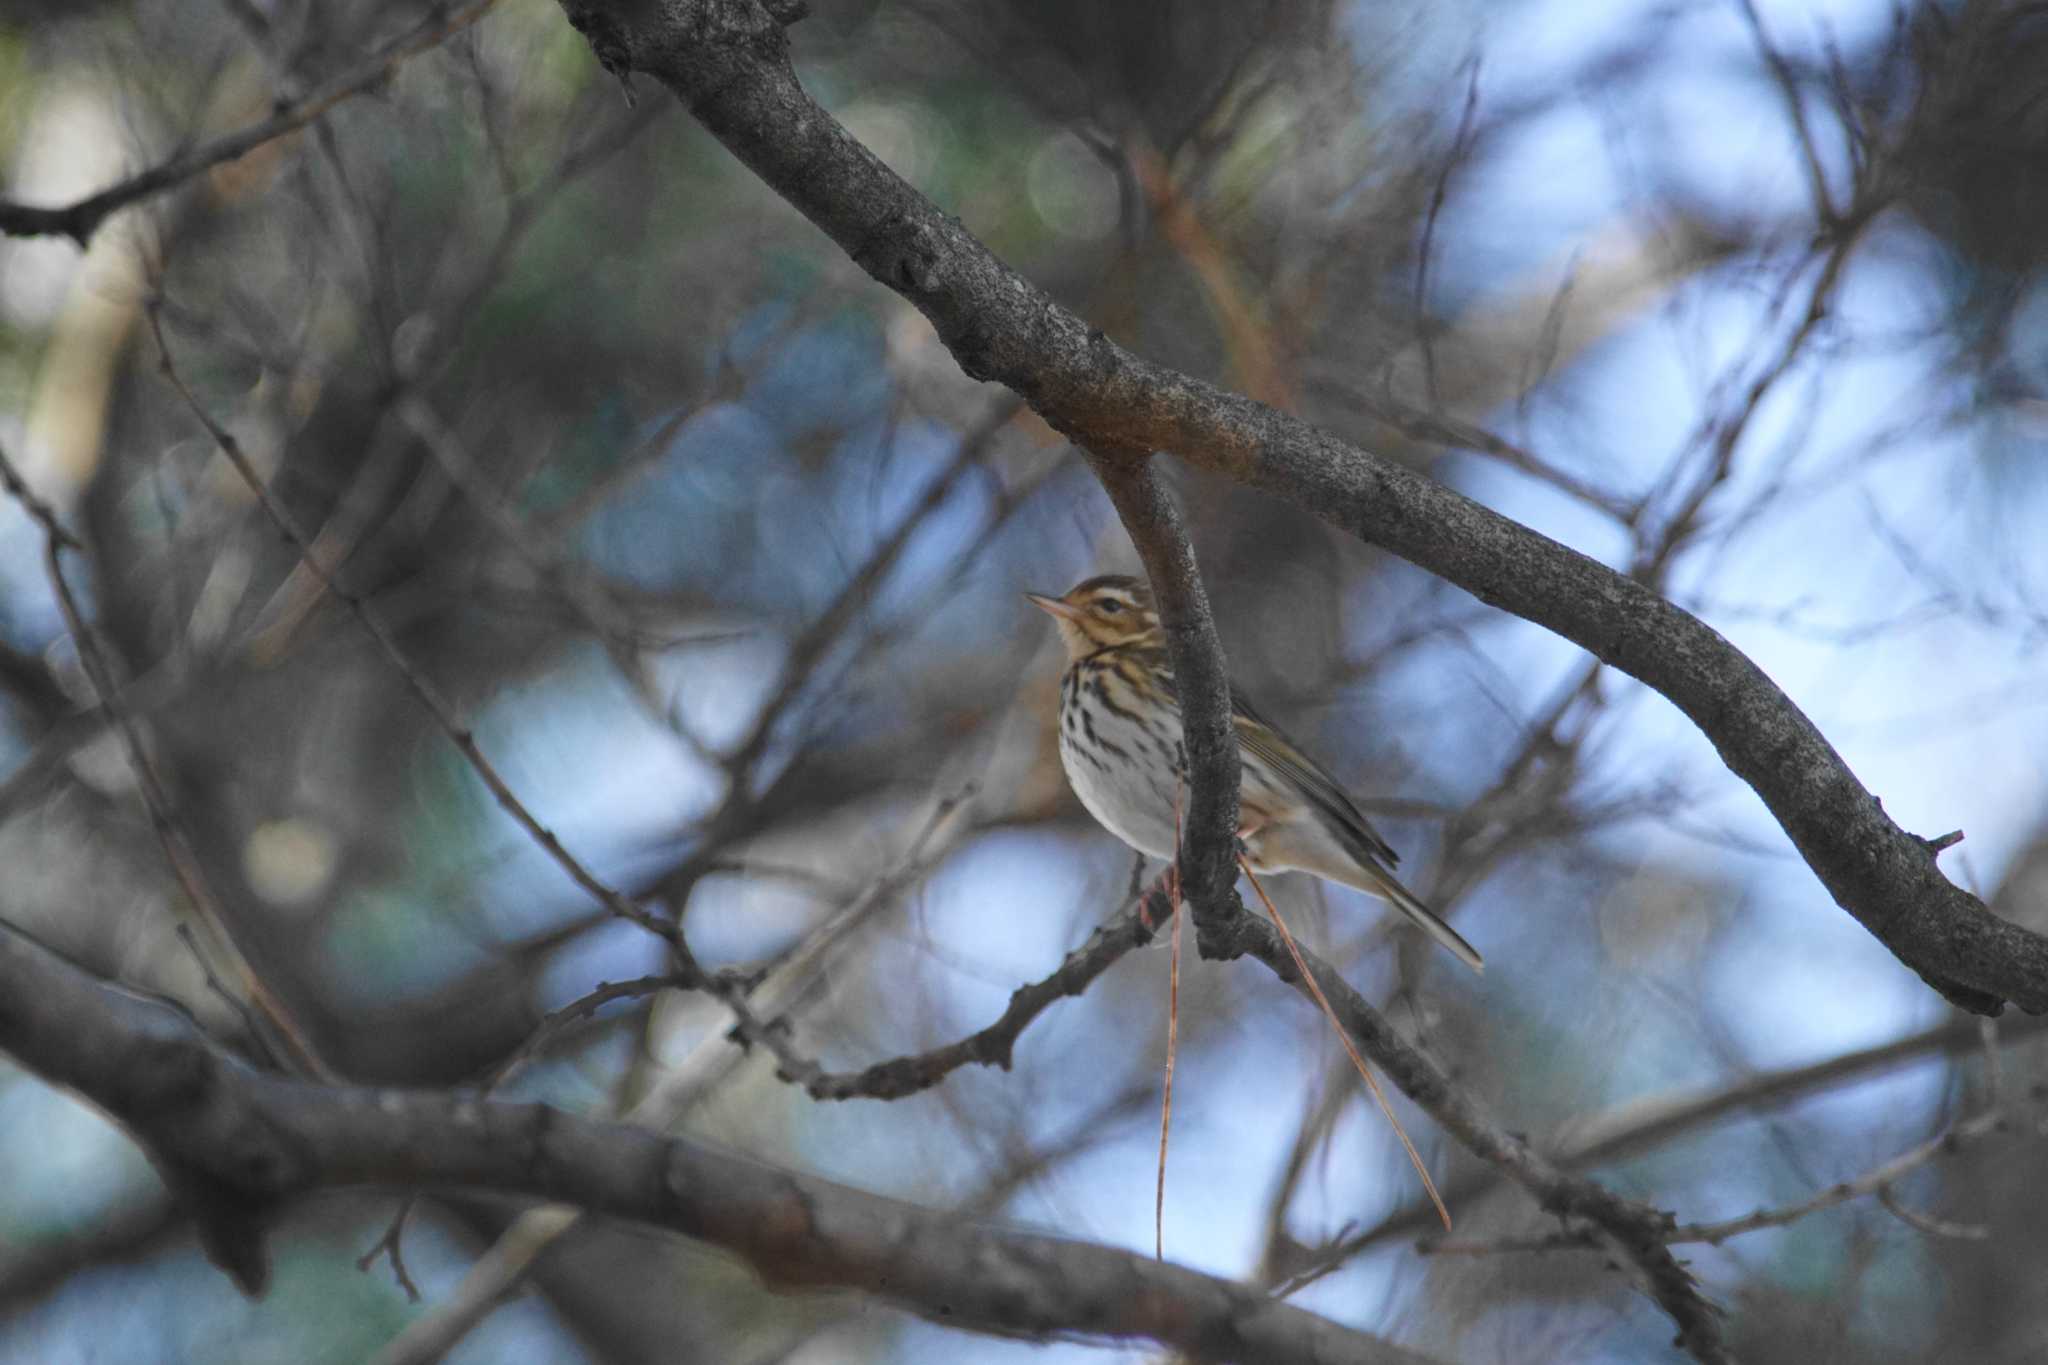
1265	739
1272	746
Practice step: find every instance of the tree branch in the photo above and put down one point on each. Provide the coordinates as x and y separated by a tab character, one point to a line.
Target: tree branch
179	855
1635	1234
728	61
673	1091
443	711
1877	1181
1208	850
80	220
236	1143
1644	1125
993	1045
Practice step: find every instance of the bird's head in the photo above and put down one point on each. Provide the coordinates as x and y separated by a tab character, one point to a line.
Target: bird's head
1102	613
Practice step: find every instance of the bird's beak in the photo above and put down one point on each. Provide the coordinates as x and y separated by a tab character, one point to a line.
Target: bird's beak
1052	606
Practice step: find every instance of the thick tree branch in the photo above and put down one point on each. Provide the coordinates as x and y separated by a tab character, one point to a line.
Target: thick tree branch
728	61
673	1091
236	1142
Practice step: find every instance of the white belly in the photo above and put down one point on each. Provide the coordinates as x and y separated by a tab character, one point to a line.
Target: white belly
1126	774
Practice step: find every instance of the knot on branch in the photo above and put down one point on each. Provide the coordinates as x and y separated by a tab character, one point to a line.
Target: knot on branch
998	1050
1224	929
974	351
904	254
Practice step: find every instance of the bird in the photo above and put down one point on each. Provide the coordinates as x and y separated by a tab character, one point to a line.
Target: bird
1120	743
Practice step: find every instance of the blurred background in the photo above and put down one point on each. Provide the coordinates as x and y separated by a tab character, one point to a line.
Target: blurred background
721	556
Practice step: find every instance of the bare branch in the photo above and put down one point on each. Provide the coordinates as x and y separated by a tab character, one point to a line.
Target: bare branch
1877	1181
238	1143
1795	110
499	1271
1645	1125
80	220
439	707
993	1045
1635	1234
728	61
582	1007
156	796
1208	851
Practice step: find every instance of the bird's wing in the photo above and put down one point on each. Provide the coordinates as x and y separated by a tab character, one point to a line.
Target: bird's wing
1262	738
1272	747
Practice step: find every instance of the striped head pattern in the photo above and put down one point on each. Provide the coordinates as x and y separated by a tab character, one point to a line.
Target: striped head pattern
1110	612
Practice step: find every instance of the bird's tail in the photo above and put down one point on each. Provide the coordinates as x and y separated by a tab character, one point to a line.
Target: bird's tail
1328	853
1428	921
1379	882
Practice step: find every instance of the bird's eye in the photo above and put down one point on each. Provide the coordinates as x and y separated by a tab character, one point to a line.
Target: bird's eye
1109	606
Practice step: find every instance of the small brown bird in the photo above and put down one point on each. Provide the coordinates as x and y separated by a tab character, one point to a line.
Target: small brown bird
1120	741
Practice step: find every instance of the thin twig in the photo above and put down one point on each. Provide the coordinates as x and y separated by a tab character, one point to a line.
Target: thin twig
993	1045
392	1245
1868	1183
438	707
256	1035
148	1066
1635	1234
582	1007
1643	1126
1927	1223
1795	110
499	1270
156	798
1876	1181
1172	1041
80	220
1424	251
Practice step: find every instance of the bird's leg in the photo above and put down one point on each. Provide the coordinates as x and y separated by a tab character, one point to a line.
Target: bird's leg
1247	838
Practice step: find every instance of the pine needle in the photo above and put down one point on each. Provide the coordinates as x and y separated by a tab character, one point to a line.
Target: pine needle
1166	1104
1172	1036
1315	989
